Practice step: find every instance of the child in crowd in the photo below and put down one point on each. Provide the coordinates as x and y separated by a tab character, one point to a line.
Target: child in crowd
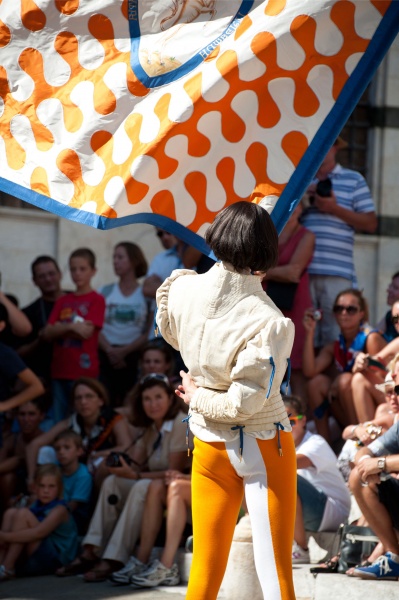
128	318
74	326
38	539
13	452
77	481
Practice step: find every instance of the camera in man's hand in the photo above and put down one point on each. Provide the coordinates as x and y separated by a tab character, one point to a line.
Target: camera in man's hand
323	189
113	459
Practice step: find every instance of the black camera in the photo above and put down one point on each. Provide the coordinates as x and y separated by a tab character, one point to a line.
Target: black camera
323	189
113	459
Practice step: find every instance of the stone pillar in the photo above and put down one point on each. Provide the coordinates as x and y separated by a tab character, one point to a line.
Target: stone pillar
240	573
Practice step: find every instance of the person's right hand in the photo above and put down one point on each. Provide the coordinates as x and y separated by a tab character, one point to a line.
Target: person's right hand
308	321
84	329
187	389
360	363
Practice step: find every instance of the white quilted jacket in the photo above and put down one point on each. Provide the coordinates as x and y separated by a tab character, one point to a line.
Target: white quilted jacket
235	343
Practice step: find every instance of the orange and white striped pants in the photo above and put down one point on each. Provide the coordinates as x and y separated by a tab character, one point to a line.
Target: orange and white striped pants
219	481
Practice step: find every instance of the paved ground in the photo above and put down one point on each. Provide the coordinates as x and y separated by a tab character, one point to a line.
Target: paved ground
73	588
324	587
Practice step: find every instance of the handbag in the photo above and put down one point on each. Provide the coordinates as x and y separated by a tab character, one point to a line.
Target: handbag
357	543
282	293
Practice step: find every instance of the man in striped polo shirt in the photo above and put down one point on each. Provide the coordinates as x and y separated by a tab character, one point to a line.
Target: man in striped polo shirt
334	220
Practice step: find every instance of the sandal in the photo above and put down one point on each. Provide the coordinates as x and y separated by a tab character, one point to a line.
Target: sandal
97	575
329	566
77	567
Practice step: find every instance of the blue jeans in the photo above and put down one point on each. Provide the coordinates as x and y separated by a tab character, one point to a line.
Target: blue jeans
313	503
62	402
44	561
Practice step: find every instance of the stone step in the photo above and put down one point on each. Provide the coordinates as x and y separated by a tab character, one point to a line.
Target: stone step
334	585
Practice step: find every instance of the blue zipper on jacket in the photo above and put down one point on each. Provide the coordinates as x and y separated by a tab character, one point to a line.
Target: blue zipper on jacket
271	376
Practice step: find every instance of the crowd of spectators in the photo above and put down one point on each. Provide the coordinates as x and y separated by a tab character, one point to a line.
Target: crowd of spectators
93	439
87	388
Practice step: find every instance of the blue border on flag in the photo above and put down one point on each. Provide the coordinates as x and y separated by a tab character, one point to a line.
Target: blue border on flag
187	67
338	116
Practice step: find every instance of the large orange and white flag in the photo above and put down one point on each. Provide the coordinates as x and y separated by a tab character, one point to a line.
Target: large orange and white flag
166	111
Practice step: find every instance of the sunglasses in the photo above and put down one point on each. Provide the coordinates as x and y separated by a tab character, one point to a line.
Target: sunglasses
156	377
392	391
161	233
351	310
396	390
294	420
395	319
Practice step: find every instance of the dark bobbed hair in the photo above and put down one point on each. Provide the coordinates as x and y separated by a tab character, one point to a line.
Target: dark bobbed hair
136	257
139	417
364	307
395	275
40	260
85	253
94	385
295	403
244	235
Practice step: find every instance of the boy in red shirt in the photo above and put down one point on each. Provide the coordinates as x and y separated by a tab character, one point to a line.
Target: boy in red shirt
73	327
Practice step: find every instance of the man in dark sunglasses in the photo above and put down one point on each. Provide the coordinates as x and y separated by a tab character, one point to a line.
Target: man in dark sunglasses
374	483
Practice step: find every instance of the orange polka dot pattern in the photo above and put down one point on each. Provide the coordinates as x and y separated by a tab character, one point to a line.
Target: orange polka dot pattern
80	129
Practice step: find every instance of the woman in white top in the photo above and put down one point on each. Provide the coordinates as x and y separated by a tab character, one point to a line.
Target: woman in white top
236	345
128	319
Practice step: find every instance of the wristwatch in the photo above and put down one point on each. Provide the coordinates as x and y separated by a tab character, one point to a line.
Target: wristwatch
381	463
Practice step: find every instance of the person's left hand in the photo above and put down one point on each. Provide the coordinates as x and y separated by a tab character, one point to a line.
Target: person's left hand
187	389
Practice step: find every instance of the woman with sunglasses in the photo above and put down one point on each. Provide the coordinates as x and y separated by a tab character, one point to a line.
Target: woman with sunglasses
365	396
128	318
115	525
236	345
331	371
323	500
101	428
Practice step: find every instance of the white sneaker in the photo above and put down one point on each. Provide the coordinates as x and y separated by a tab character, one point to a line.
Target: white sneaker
156	574
299	555
132	567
